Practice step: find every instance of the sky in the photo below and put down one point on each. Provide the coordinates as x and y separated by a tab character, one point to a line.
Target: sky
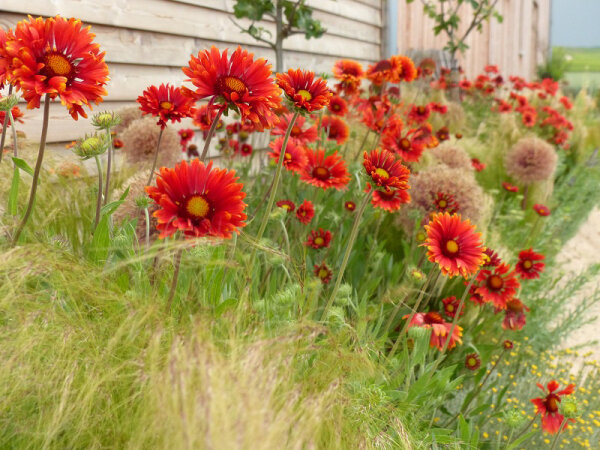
575	23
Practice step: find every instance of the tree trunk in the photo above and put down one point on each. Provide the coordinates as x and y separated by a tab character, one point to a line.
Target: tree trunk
279	38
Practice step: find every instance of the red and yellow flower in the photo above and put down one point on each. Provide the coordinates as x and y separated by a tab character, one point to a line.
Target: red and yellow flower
304	90
305	212
454	245
528	267
350	205
323	272
337	129
198	200
238	82
318	239
350	73
510	187
338	106
547	407
472	361
167	103
294	159
477	165
541	209
440	329
514	315
451	305
286	205
385	171
498	285
325	171
390	200
407	145
58	57
298	132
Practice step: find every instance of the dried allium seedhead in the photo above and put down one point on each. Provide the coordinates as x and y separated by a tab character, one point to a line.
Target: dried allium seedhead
127	116
139	143
452	156
531	159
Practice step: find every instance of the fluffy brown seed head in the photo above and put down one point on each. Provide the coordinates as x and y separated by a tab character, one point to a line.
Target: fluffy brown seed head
127	116
531	159
139	144
452	156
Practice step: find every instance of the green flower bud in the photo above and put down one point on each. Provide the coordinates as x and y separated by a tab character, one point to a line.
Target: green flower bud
106	120
8	103
142	202
418	332
91	146
570	408
513	418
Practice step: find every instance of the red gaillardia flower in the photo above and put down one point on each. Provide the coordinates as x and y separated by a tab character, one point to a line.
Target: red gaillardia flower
445	203
305	212
390	200
454	245
167	103
541	210
198	200
514	317
294	159
185	135
238	82
528	267
440	329
443	134
491	258
323	272
419	114
350	73
337	129
318	239
5	59
510	187
407	146
508	344
547	406
304	90
325	171
498	285
287	205
338	106
118	143
451	305
477	165
350	206
203	117
406	70
385	170
472	361
298	132
57	57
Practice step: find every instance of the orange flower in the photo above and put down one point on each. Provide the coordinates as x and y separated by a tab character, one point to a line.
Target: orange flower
337	129
5	59
390	200
498	285
299	133
198	200
303	90
204	116
454	245
294	159
552	419
350	73
57	57
407	71
385	170
338	106
407	146
440	329
238	82
167	103
385	70
325	171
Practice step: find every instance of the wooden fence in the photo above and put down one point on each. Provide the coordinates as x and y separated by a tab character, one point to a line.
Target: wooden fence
148	41
517	45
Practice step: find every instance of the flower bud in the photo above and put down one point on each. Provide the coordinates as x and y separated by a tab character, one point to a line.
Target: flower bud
9	102
91	146
142	202
570	408
513	418
418	332
106	120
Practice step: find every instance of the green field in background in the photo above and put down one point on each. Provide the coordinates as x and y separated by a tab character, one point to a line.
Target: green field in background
583	59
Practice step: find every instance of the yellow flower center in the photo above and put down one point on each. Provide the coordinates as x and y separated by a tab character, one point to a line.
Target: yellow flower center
321	173
449	308
286	207
527	264
495	282
421	236
296	130
382	173
323	273
472	362
231	84
166	105
58	64
442	203
287	156
319	241
197	207
452	247
405	143
305	95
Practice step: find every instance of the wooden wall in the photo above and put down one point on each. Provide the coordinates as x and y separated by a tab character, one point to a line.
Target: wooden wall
517	45
148	41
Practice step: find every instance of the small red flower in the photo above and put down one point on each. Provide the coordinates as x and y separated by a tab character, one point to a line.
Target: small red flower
117	143
385	170
475	297
318	239
443	134
408	146
338	106
528	266
439	329
323	272
167	103
203	117
325	171
445	203
390	200
451	305
472	361
237	81
508	344
541	210
350	206
306	92
16	113
510	187
337	129
477	165
287	205
198	200
350	73
245	149
514	317
299	133
547	406
498	285
419	114
305	212
454	245
185	135
491	258
294	159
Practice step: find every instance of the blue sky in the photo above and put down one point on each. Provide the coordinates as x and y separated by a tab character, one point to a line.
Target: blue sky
575	23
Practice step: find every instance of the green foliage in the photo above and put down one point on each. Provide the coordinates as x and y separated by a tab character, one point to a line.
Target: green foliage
555	67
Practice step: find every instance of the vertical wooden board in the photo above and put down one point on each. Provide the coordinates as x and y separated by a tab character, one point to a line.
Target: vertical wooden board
526	58
543	26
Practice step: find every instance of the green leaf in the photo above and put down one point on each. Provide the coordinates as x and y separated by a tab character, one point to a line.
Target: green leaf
21	164
98	250
252	9
225	305
522	439
14	192
463	427
110	208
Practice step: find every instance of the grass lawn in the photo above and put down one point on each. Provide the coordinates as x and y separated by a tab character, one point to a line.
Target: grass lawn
584	67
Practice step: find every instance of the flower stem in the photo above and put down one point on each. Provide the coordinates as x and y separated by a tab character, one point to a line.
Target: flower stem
109	165
147	217
273	193
36	172
353	234
362	145
99	200
562	427
4	127
155	157
522	432
177	264
211	133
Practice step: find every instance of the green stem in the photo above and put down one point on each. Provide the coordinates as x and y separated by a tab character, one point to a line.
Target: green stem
177	264
353	234
155	157
4	127
14	131
562	427
362	145
211	132
147	217
99	199
522	432
37	170
109	165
